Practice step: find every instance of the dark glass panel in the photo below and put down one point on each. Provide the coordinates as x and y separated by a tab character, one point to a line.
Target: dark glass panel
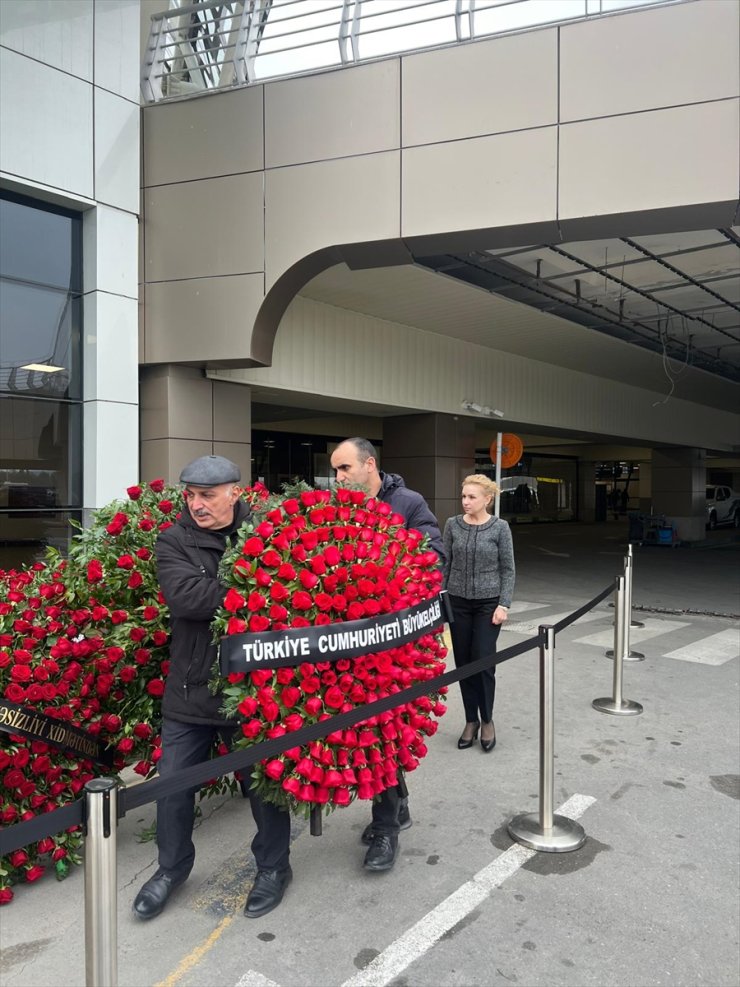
43	326
40	443
40	245
25	535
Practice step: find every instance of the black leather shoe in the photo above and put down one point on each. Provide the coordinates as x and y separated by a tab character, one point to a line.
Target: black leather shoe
463	744
152	898
382	853
488	745
267	891
404	822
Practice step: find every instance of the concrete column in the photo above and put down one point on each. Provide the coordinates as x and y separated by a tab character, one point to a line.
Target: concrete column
679	490
433	453
586	491
185	415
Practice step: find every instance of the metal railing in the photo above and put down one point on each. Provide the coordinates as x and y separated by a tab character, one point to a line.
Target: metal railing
219	44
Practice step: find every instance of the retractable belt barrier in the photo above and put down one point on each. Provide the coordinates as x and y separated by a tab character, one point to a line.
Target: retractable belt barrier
32	830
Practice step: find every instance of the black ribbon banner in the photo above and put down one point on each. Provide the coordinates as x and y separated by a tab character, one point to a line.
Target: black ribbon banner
28	722
330	642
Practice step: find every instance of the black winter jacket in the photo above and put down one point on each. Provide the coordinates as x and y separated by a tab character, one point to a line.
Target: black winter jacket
412	506
187	567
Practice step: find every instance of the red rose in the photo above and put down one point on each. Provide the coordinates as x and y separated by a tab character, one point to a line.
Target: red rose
258	622
165	506
6	896
301	600
253	547
234	601
274	769
159	638
125	745
94	571
118	616
18	858
125	562
279	593
127	674
307	580
157	485
150	613
236	625
256	601
134	492
155	688
291	696
34	873
135	580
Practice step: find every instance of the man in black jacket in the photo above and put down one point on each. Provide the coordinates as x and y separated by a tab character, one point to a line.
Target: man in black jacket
355	461
188	555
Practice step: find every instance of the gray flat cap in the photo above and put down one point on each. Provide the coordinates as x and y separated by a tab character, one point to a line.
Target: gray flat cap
210	471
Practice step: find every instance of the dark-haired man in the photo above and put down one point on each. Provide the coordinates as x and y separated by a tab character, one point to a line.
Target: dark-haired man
355	461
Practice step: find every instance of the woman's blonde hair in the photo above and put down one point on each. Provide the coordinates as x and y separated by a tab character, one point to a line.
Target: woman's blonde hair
489	488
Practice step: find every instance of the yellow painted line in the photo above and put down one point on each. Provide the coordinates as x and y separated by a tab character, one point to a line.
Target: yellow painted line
192	959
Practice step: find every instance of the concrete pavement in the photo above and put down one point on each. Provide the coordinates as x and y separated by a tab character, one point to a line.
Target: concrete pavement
650	899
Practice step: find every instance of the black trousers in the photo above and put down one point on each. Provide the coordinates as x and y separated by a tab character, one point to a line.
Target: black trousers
185	744
473	637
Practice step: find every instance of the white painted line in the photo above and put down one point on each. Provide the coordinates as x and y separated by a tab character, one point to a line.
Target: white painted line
713	650
652	628
253	979
519	606
531	626
422	936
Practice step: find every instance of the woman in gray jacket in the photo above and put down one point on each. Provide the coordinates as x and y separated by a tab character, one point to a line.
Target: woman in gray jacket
479	577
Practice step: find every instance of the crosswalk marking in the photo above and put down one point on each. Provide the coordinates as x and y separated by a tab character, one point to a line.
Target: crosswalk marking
713	650
530	626
652	628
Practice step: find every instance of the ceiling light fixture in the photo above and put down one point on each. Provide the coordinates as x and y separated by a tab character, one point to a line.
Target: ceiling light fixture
481	409
43	368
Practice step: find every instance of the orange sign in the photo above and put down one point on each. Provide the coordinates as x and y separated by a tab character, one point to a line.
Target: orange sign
511	450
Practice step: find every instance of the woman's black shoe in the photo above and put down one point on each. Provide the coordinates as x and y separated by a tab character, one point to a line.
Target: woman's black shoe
463	744
488	745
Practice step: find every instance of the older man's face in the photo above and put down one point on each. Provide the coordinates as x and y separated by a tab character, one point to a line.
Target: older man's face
212	507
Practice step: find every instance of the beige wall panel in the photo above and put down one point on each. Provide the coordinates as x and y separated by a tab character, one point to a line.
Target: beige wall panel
204	228
332	115
686	53
483	88
324	350
507	180
650	160
219	134
232	412
176	406
200	320
318	205
166	457
239	453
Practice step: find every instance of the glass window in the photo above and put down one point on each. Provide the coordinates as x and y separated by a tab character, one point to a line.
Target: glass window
40	377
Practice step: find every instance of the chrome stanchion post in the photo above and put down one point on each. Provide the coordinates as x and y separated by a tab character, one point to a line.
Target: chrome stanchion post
627	653
543	830
633	623
101	934
615	703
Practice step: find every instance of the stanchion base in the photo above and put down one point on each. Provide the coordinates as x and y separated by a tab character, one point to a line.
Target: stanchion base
607	705
564	836
632	656
636	623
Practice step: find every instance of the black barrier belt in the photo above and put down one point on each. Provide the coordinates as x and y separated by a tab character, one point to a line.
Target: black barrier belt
50	823
28	722
195	776
330	642
573	617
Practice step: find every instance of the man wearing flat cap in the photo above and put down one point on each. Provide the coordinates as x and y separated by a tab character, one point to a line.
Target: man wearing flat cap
188	555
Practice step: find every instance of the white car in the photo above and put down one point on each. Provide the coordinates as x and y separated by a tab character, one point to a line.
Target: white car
723	507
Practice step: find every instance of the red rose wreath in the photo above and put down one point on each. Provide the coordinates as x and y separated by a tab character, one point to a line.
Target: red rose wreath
319	558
